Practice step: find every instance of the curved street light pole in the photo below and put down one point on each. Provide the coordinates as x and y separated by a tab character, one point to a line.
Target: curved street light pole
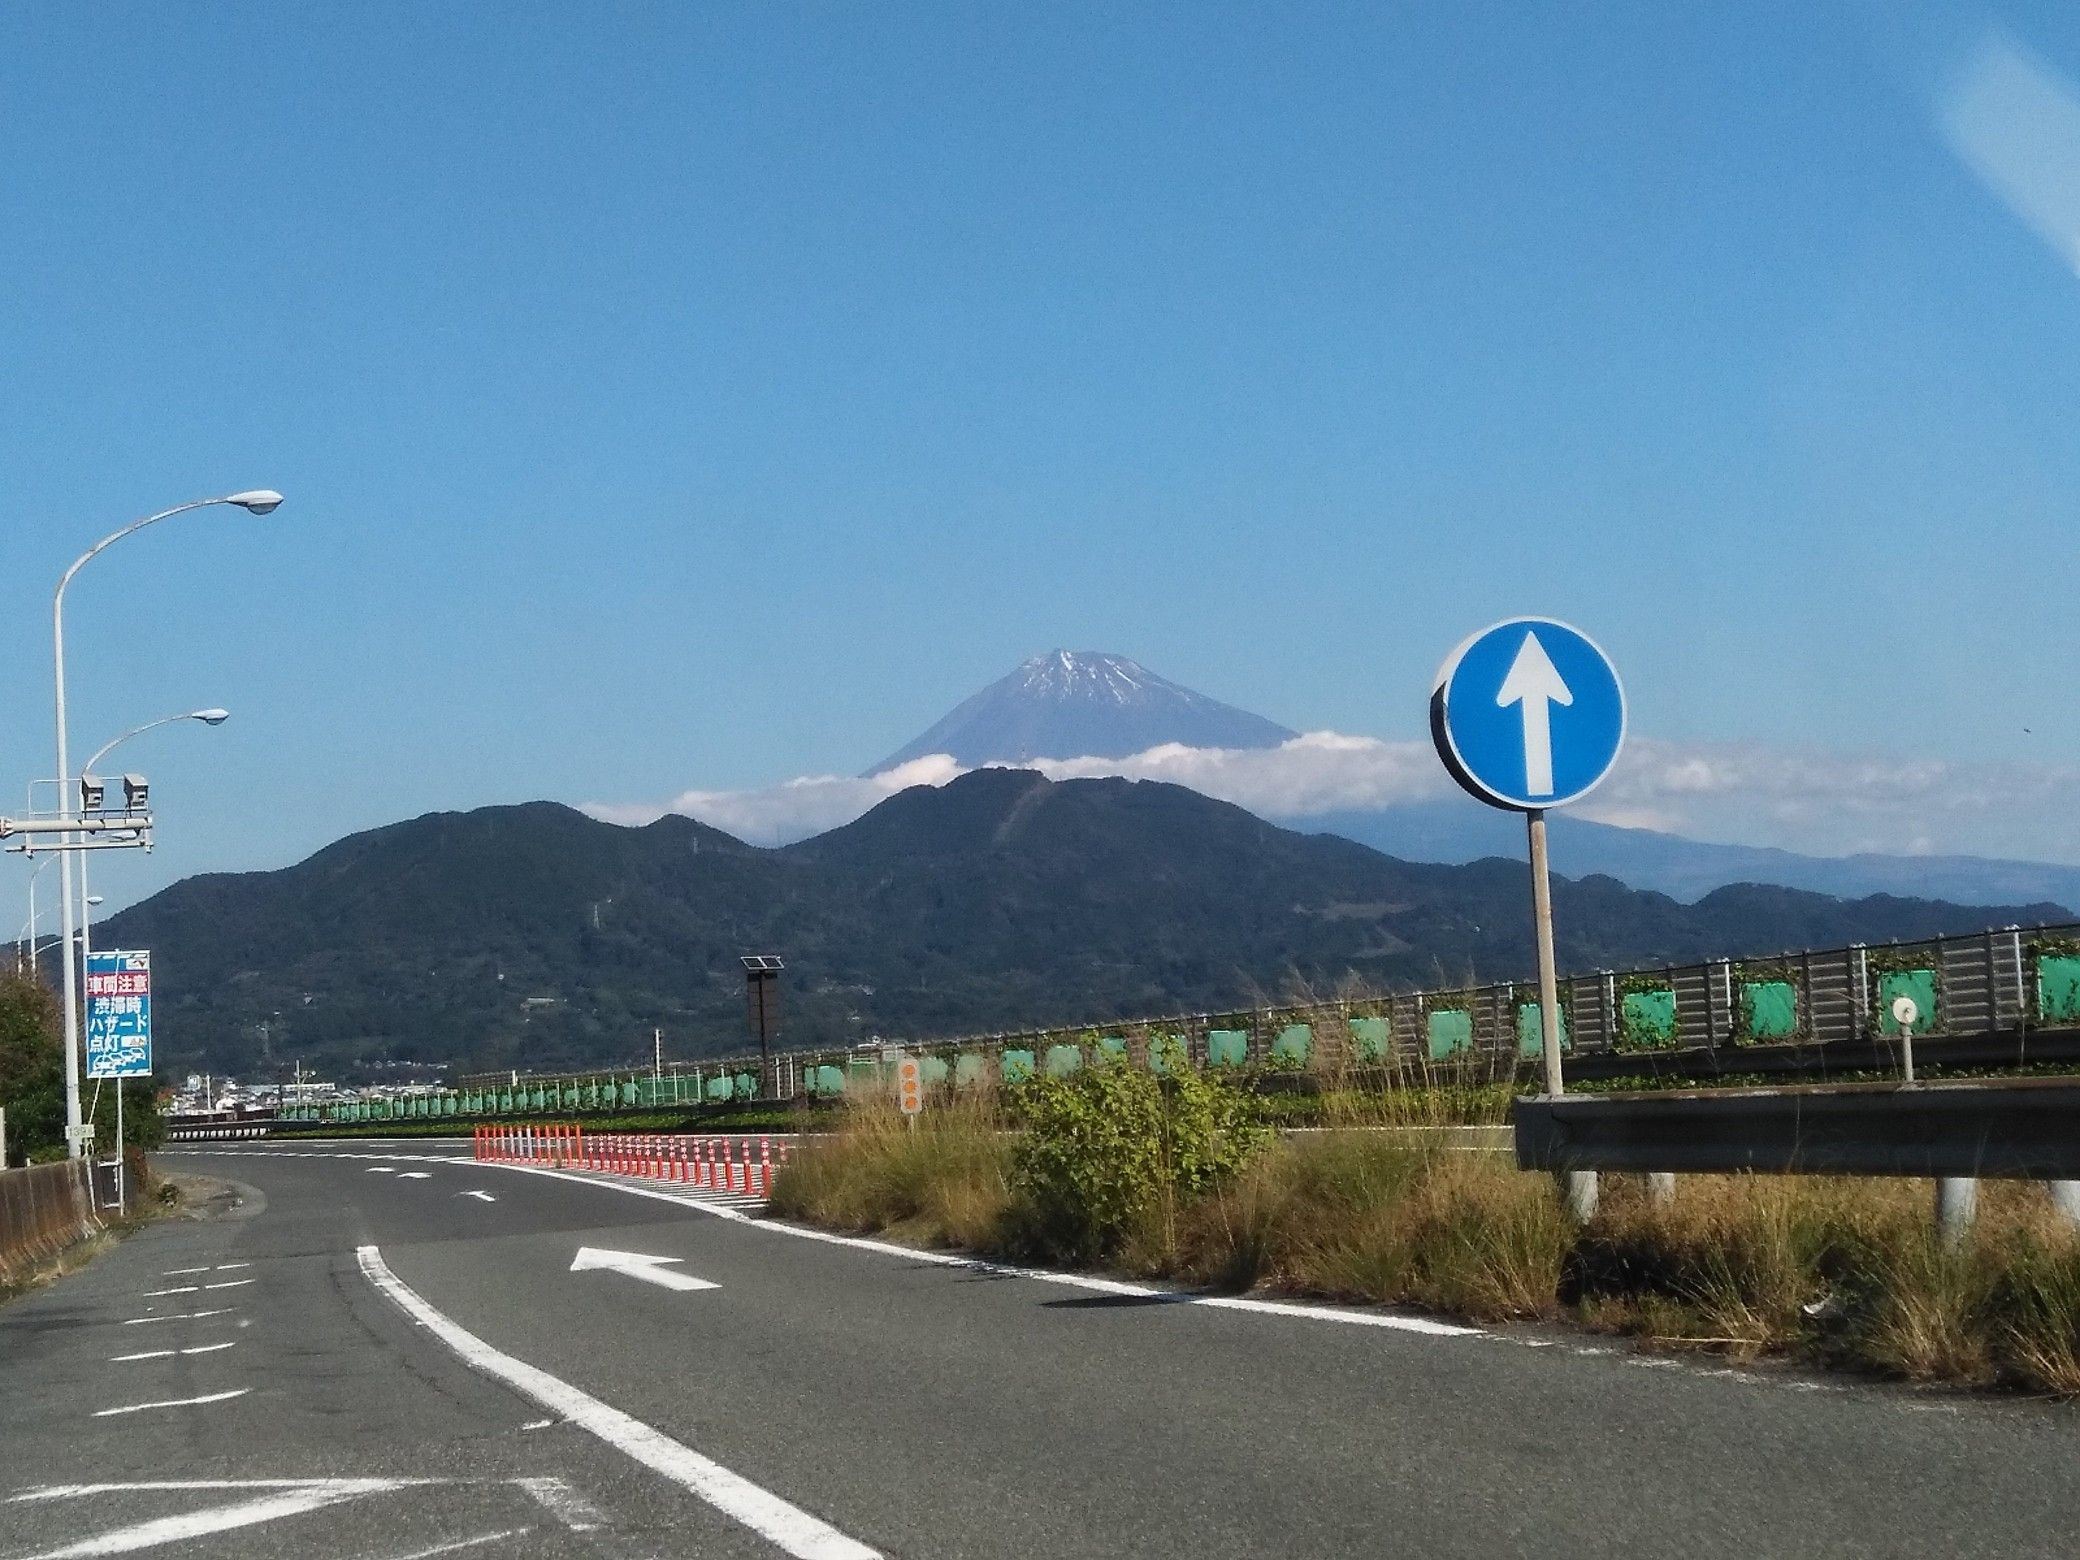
209	717
259	501
34	925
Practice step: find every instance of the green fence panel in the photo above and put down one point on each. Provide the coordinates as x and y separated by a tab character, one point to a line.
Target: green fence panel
1531	1035
932	1069
1769	1010
1918	984
1647	1020
1369	1039
1017	1065
1225	1048
1063	1060
2058	987
1114	1046
1168	1054
747	1086
628	1094
1448	1031
1293	1044
717	1088
969	1068
538	1099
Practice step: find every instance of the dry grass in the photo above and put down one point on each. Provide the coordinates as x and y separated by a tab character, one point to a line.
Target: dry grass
1841	1272
942	1184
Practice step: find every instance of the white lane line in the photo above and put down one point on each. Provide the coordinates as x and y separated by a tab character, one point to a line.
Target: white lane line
297	1497
232	1283
381	1170
556	1497
183	1272
227	1267
179	1316
788	1527
167	1354
480	1196
177	1289
1104	1286
414	1175
462	1543
208	1397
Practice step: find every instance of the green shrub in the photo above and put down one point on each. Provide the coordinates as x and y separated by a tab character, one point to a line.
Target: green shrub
1111	1146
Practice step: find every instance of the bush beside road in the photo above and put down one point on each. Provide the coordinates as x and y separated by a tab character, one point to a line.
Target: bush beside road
1832	1272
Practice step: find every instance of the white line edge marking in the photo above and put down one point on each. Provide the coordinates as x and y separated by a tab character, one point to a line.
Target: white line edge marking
555	1495
789	1527
297	1497
167	1354
463	1543
138	1408
1104	1286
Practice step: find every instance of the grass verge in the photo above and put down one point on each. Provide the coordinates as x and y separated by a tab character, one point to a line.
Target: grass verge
1836	1272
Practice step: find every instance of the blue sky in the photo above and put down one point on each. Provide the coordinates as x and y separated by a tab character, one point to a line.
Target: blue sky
681	396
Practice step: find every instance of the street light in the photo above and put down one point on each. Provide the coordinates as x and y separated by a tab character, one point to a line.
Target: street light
33	925
208	717
259	501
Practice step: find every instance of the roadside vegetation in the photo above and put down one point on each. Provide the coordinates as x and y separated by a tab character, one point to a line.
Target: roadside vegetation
1182	1179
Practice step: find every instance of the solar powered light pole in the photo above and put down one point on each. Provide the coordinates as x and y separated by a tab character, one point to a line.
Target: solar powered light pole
258	501
762	1003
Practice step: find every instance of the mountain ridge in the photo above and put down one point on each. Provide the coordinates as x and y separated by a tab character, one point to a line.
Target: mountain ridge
535	936
1081	704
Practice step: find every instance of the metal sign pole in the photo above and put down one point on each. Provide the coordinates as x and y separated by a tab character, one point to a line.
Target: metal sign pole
1548	976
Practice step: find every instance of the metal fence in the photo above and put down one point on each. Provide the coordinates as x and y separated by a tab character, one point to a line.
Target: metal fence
1748	1012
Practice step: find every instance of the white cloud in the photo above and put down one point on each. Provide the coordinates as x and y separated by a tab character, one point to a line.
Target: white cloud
791	810
1821	804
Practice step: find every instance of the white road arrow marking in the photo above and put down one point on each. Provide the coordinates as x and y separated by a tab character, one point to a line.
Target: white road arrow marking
480	1196
1535	683
651	1270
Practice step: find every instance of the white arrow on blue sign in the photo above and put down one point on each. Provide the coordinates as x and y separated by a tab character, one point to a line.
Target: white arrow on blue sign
1528	714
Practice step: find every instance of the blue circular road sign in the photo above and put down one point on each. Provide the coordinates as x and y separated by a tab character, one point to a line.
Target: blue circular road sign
1528	714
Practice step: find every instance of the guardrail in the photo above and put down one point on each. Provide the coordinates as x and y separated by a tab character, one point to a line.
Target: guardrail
1985	998
2026	1129
43	1209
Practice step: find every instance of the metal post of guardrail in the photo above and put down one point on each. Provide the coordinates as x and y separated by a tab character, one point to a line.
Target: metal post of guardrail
2065	1197
1957	1204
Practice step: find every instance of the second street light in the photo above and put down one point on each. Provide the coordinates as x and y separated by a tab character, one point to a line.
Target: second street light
259	501
209	717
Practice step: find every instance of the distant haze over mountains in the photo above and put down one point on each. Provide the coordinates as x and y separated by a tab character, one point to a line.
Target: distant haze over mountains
1083	703
1074	706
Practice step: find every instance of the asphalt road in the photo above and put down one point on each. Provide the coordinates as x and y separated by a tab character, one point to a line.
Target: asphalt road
420	1371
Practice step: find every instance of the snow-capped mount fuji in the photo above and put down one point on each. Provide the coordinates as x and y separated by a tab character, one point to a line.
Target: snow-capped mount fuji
1084	704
